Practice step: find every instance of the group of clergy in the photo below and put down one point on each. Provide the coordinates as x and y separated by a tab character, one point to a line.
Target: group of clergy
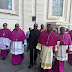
14	40
44	40
47	41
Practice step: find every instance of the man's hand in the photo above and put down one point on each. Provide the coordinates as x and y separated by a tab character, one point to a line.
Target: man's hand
6	46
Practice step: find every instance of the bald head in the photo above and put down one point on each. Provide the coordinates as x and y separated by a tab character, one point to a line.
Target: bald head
62	30
35	26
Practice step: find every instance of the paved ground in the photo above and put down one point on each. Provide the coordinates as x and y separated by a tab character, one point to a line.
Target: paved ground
6	66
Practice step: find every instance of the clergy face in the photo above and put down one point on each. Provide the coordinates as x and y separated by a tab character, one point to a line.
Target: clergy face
62	30
16	27
4	26
35	26
42	26
49	28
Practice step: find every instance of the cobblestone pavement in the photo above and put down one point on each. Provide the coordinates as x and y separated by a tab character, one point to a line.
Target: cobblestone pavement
6	66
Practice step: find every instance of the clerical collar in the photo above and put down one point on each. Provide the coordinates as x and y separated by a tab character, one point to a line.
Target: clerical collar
35	29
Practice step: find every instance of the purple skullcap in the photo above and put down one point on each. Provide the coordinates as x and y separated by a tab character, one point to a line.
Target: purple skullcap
5	24
17	24
49	23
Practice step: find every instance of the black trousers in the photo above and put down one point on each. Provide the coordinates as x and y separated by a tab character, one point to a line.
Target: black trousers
33	53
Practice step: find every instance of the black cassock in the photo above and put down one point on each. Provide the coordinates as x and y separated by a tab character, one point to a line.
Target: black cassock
33	40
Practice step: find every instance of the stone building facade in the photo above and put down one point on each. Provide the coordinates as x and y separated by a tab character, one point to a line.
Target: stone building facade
58	12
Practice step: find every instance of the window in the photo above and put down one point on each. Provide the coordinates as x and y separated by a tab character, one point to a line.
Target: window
9	4
6	4
57	8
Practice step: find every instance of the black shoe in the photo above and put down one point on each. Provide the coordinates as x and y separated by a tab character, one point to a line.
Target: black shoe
35	63
40	65
30	66
3	58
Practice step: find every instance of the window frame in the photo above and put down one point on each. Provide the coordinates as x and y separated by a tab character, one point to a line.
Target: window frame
57	9
49	8
9	11
64	13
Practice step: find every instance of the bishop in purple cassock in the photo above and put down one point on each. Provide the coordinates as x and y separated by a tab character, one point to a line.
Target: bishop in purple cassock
17	45
4	41
46	42
63	48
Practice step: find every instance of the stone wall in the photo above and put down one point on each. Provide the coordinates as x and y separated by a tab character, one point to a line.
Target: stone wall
23	10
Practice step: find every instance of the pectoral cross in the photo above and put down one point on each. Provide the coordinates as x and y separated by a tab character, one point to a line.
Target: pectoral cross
3	34
48	38
47	42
